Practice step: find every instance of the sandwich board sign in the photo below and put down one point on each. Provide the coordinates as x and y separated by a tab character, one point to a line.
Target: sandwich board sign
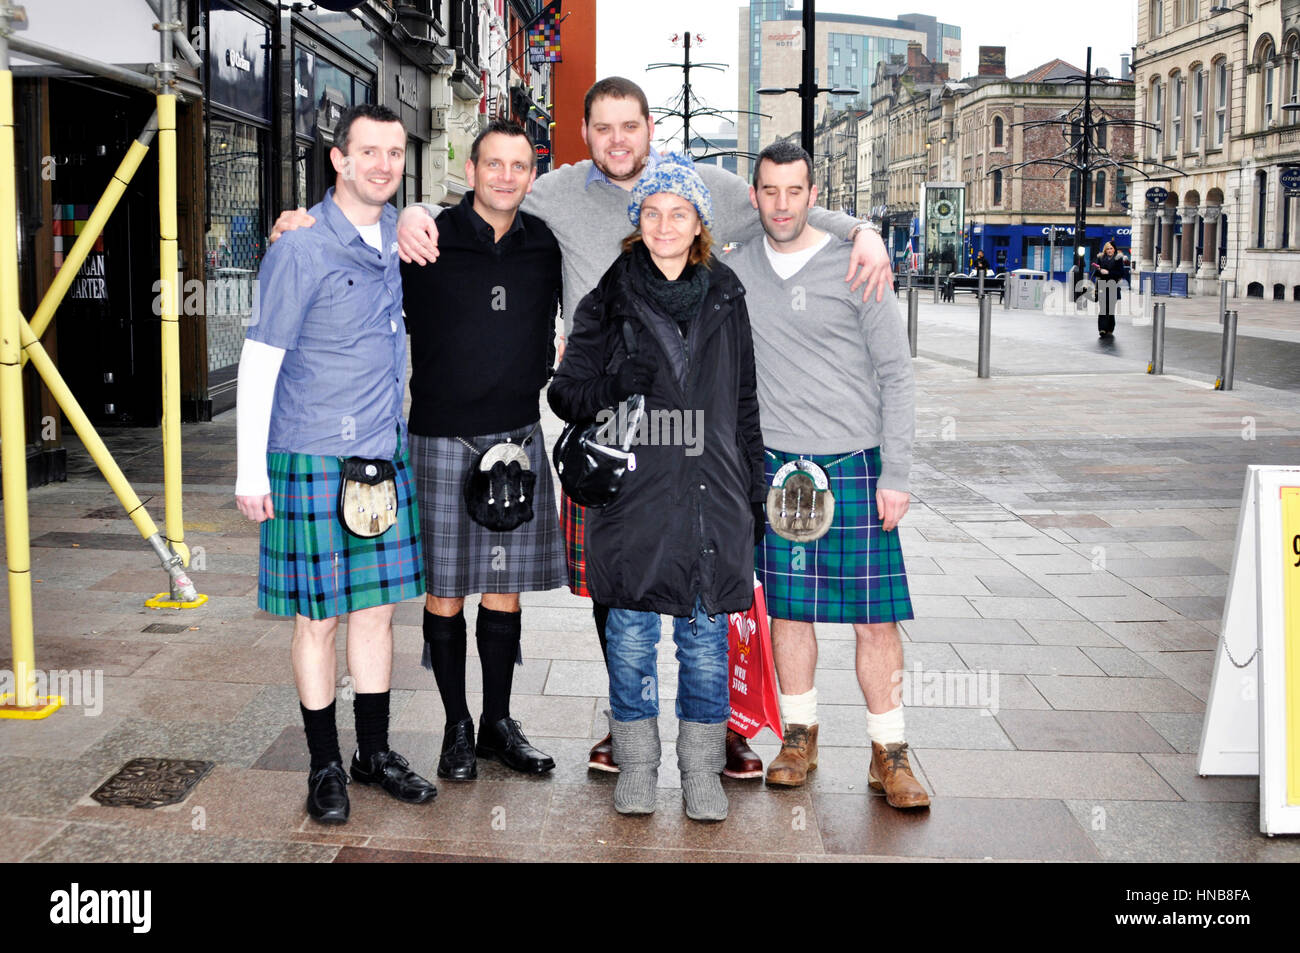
1252	719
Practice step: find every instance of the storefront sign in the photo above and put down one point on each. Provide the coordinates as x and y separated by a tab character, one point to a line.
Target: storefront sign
1157	195
237	62
408	93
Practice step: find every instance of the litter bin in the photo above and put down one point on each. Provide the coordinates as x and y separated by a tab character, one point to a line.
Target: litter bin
1028	287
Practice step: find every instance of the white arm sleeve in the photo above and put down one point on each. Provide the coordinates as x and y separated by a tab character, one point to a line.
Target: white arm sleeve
259	369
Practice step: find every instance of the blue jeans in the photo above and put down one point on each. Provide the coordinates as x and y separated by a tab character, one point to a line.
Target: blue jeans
703	694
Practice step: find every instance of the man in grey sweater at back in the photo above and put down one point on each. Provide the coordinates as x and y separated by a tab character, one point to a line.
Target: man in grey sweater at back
837	408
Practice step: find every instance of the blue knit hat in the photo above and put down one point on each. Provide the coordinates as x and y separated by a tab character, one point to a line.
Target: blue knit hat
675	173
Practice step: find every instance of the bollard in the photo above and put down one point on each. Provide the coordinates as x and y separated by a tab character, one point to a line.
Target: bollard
986	321
1006	292
1223	300
1157	365
981	291
936	286
1229	351
913	306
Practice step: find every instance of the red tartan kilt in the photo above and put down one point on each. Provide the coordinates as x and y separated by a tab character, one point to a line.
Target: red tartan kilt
575	551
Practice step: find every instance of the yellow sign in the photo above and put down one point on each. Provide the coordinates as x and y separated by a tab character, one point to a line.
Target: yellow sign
1291	634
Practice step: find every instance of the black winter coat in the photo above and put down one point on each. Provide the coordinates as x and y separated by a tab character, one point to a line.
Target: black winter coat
682	524
1116	272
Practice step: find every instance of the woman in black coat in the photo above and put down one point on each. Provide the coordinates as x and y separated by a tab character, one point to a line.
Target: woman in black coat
679	536
1108	271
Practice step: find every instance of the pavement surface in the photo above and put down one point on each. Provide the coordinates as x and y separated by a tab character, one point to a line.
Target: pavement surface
1068	549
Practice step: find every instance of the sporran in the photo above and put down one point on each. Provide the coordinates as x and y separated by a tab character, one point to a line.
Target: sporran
800	504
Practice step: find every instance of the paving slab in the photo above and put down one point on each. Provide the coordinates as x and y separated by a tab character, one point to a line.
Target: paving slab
1043	774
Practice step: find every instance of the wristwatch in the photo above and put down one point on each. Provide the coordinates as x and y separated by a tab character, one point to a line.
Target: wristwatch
864	223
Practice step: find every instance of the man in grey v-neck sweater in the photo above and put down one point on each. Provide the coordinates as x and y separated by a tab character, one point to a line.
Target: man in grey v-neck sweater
835	388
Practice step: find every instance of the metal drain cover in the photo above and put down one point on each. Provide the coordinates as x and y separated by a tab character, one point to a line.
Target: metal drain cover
152	782
167	628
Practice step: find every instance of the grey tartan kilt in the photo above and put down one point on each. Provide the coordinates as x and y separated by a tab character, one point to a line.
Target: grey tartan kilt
460	556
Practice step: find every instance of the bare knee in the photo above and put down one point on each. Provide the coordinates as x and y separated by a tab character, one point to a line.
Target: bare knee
317	633
877	633
439	605
501	601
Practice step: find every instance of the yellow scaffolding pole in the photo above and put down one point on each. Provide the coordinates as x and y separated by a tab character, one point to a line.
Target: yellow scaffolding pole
13	435
171	361
19	341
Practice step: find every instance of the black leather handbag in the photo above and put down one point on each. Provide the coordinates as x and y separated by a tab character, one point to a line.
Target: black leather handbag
591	458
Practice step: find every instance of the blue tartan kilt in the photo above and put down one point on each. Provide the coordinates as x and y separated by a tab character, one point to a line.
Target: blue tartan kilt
854	573
311	566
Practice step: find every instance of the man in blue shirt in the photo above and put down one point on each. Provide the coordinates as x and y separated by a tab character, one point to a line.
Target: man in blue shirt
320	381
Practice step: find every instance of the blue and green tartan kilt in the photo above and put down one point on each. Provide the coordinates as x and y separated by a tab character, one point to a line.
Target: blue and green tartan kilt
855	572
311	566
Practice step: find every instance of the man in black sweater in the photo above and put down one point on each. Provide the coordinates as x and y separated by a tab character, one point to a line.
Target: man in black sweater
482	326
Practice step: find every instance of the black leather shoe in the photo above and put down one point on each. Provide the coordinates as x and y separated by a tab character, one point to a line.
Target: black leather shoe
393	773
457	762
506	742
327	794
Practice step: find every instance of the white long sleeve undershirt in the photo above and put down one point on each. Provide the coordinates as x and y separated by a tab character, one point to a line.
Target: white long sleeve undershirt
259	369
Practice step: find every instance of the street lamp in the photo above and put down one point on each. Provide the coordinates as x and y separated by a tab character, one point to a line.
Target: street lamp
806	130
1223	8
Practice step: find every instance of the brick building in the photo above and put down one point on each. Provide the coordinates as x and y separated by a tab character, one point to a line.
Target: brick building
943	138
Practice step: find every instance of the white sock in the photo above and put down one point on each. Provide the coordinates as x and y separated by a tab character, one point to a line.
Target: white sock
886	728
799	709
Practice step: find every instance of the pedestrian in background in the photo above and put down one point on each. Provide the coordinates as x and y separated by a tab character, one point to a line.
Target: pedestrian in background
1108	271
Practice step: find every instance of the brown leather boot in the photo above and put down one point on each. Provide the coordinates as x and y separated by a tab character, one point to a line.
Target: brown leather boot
891	775
742	763
798	756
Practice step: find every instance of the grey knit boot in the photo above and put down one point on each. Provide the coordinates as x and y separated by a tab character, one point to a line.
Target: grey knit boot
636	750
701	755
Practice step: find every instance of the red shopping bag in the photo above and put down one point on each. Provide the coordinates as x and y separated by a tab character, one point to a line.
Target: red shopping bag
752	671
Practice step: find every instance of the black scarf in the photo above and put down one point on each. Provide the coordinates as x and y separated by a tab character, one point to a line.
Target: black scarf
680	299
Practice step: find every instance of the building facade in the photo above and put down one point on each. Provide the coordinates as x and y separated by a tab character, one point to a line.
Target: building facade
947	152
1221	87
256	120
849	48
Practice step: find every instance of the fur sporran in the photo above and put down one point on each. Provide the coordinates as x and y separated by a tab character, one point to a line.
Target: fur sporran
367	503
800	504
499	486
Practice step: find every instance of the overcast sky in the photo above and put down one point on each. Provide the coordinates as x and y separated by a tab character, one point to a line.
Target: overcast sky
631	35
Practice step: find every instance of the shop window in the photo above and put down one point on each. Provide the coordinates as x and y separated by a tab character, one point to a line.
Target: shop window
235	244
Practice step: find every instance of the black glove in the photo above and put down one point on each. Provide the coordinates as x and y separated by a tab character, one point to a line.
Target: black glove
760	523
636	375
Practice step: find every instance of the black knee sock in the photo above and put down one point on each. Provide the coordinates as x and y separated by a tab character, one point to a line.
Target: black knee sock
444	655
322	735
497	634
371	711
600	613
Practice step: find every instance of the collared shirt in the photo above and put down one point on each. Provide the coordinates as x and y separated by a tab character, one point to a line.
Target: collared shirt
482	323
595	175
334	304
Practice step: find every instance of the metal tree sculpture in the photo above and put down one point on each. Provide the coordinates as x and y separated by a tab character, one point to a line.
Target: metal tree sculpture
1084	153
686	105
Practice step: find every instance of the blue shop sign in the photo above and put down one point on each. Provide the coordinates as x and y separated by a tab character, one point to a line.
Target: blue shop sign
1290	178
